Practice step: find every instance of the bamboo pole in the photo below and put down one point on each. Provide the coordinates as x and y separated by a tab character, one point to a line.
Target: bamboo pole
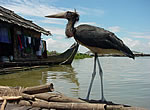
34	96
122	107
63	106
54	97
4	87
39	89
3	104
10	98
28	97
5	98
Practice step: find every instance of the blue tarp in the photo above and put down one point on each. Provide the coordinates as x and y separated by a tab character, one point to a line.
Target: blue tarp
5	35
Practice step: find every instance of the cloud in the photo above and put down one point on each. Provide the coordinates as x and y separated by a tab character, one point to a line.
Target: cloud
114	28
60	37
131	43
57	31
31	7
138	41
142	36
56	45
89	11
37	9
90	23
53	21
149	44
41	8
137	45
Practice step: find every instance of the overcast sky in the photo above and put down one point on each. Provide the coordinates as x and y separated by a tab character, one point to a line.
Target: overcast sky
128	19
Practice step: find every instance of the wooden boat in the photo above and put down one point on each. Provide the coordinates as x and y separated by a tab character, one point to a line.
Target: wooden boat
64	58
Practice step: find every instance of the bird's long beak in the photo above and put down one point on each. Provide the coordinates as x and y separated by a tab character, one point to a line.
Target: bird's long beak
59	15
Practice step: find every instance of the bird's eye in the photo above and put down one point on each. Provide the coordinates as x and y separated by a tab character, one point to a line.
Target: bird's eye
69	14
77	18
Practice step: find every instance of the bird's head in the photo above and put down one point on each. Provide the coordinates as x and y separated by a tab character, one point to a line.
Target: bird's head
70	16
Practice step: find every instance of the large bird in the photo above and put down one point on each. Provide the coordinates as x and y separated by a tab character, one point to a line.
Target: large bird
98	40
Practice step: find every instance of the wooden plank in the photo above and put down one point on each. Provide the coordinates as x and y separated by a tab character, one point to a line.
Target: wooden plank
39	89
63	106
53	97
3	104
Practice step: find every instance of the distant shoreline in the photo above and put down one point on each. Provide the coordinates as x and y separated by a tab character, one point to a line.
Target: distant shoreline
82	56
136	55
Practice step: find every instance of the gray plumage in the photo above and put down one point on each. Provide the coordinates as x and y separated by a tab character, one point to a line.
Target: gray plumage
98	37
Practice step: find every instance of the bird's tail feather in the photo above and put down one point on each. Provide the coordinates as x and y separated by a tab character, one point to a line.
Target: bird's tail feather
121	46
128	52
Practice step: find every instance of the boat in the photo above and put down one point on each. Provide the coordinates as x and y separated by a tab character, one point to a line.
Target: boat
21	43
65	58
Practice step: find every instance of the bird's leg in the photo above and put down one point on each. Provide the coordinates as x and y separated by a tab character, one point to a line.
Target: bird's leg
101	76
93	76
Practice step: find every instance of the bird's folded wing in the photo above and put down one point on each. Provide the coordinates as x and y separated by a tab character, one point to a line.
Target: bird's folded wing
100	38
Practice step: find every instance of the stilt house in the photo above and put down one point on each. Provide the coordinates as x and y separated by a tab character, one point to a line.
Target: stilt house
20	39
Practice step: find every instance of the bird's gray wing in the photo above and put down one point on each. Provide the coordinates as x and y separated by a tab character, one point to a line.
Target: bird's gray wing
98	37
95	37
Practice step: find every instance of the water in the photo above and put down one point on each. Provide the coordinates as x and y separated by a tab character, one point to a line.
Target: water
126	81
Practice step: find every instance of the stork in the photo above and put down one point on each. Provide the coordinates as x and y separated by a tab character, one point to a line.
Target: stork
98	40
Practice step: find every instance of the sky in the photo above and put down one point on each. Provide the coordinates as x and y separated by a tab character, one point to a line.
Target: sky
128	19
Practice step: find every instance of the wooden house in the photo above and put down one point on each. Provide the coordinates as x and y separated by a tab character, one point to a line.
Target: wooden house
20	39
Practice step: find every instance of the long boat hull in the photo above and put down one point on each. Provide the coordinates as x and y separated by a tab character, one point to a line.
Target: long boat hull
64	58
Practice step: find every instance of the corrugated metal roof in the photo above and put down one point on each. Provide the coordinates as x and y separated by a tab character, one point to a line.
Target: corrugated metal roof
10	17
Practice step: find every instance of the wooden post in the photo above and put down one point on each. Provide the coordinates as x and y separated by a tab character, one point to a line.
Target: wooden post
63	106
53	97
39	89
28	97
3	104
10	98
121	107
14	43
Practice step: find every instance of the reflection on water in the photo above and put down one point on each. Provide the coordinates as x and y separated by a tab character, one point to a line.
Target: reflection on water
126	81
24	78
64	79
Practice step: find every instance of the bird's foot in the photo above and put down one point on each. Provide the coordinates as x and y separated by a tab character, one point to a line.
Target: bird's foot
87	99
103	100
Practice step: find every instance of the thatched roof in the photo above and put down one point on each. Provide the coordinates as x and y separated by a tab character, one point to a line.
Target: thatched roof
12	18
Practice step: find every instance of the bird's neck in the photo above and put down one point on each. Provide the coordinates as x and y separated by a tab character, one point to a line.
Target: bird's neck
70	29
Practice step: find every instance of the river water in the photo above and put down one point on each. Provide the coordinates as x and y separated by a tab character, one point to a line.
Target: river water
126	81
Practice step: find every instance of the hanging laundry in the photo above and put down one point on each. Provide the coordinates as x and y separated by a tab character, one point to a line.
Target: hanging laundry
37	44
4	35
25	42
39	52
41	43
19	41
22	41
29	39
33	44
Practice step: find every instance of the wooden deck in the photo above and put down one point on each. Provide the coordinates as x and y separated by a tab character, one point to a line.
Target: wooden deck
43	97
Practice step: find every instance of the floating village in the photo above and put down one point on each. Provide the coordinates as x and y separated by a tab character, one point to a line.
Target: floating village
23	49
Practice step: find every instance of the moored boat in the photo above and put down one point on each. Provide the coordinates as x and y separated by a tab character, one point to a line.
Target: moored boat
64	58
